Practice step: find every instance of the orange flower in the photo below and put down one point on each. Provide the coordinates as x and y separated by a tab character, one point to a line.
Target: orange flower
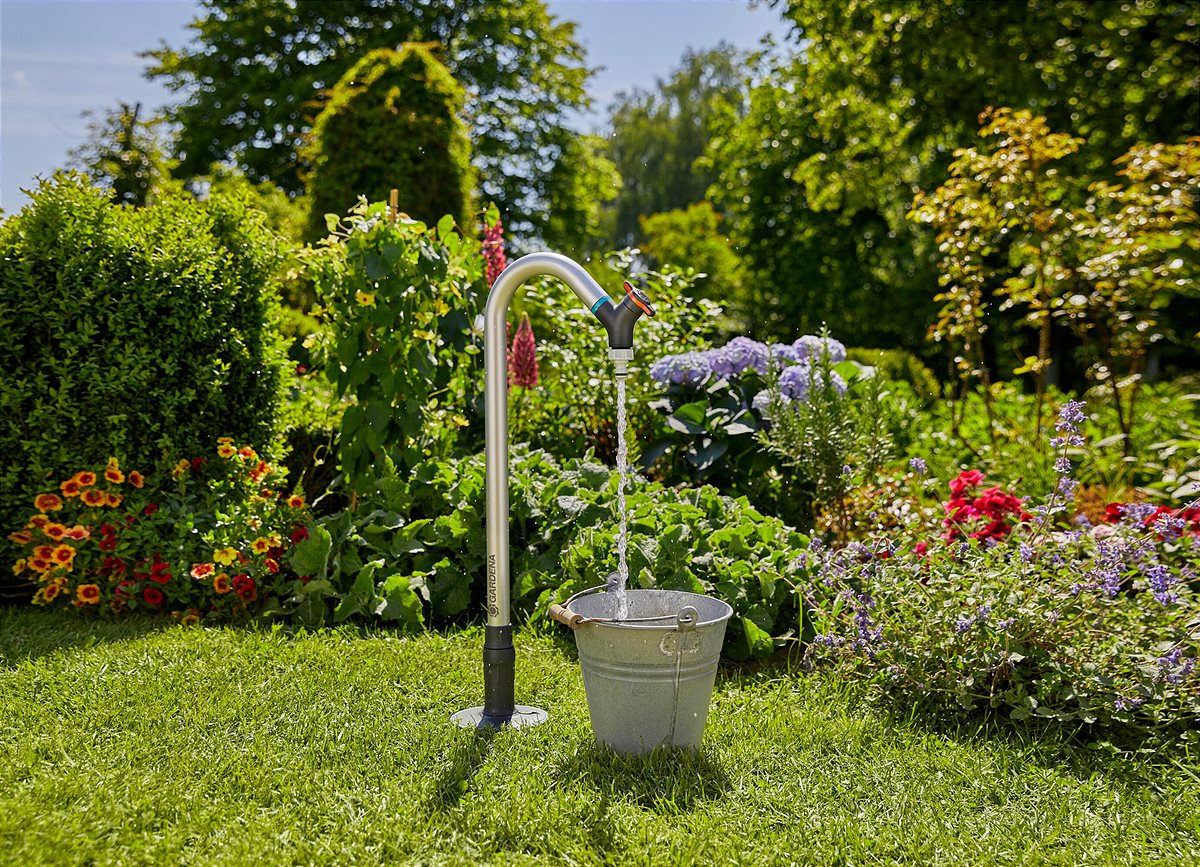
39	564
295	501
87	594
202	570
52	591
38	521
47	503
85	478
44	552
21	537
260	545
221	583
137	479
95	497
113	500
113	472
70	488
78	533
54	531
248	453
64	555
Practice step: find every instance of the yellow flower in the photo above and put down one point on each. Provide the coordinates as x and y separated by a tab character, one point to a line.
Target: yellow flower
226	450
191	618
181	469
225	556
115	500
224	441
19	567
424	335
113	472
365	299
295	501
260	545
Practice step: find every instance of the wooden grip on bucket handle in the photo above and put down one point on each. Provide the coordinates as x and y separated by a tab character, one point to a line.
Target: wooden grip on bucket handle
566	616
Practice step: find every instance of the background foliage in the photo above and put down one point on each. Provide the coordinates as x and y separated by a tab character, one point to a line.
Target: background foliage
141	333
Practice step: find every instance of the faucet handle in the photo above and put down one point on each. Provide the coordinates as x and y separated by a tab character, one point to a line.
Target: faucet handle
639	299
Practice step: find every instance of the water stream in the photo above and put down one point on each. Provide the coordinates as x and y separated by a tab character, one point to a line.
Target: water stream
622	576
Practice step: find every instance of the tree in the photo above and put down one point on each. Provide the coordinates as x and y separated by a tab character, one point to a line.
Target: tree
658	136
126	154
256	73
819	178
691	238
391	122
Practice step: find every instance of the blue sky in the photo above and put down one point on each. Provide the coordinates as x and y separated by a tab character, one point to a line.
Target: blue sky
59	58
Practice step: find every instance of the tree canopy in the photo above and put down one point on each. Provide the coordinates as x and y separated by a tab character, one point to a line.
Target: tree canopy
819	178
255	74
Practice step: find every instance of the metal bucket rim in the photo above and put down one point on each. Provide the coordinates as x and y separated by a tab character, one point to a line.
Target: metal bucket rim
665	622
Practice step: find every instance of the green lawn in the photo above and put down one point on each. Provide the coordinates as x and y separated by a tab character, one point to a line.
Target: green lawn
148	743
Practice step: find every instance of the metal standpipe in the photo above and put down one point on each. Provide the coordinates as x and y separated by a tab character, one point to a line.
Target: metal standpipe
499	706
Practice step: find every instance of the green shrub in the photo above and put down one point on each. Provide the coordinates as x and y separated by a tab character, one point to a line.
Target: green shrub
139	333
391	122
899	365
1088	630
400	301
420	555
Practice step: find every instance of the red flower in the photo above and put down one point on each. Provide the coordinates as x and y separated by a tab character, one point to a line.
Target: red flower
299	535
153	596
160	572
966	479
493	251
136	479
524	356
244	587
113	566
921	549
150	509
197	464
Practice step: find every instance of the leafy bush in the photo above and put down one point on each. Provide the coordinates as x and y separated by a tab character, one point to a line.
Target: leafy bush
400	300
391	121
732	412
420	556
898	365
210	540
952	435
1095	628
139	333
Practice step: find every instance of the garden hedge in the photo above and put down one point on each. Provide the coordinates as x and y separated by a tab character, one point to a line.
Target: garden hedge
142	334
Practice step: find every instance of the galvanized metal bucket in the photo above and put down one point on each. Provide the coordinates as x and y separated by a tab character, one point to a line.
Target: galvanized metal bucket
648	677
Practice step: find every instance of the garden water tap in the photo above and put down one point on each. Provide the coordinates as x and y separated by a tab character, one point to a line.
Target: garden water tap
499	707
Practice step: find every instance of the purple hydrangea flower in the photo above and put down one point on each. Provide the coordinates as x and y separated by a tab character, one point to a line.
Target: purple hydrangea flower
737	356
689	368
810	346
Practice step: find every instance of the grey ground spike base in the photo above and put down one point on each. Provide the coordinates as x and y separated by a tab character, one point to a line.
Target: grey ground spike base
522	717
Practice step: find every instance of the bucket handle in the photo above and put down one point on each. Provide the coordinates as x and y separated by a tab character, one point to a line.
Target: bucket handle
686	619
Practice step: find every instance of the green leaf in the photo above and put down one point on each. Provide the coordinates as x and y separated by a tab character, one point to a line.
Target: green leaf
445	227
311	556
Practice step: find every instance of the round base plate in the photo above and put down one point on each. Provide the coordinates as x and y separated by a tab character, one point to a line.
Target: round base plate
474	718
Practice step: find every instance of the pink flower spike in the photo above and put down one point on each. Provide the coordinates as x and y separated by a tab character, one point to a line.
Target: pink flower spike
524	356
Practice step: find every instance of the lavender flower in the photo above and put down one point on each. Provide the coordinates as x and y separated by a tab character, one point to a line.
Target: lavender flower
1173	668
918	466
1160	581
1062	465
